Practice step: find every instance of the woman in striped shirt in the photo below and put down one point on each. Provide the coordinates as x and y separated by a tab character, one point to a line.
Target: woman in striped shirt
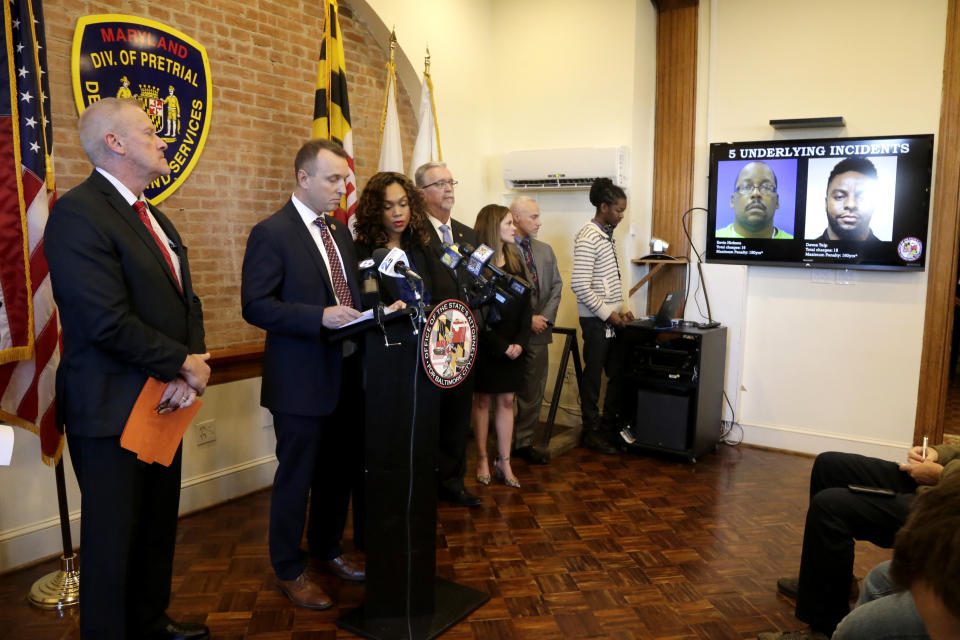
596	283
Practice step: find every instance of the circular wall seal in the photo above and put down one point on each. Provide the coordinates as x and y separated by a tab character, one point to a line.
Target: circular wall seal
910	248
449	343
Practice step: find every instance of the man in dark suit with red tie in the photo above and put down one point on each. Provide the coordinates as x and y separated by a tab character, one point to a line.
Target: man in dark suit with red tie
122	283
300	282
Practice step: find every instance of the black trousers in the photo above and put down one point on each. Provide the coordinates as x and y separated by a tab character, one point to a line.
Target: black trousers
318	458
836	518
128	530
600	354
453	431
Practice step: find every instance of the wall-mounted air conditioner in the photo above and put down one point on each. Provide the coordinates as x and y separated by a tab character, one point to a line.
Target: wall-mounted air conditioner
558	169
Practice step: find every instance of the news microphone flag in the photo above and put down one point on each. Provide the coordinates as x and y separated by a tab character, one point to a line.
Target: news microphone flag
427	147
388	264
391	153
29	324
331	107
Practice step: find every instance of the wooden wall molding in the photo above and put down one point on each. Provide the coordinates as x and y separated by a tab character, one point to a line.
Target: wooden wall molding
236	363
942	249
674	127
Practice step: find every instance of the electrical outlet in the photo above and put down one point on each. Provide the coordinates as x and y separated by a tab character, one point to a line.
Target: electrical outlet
206	432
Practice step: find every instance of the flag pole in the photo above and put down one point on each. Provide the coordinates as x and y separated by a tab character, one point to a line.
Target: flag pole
60	589
391	79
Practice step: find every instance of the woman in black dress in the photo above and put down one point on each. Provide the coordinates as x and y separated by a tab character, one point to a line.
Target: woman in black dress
506	331
392	213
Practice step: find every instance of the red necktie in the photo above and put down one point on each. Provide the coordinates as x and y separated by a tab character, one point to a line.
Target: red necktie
141	208
337	275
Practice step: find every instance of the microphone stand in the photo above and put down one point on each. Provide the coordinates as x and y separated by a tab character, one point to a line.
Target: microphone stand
420	318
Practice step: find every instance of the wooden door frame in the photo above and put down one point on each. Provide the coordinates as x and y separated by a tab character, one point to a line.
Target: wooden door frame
942	249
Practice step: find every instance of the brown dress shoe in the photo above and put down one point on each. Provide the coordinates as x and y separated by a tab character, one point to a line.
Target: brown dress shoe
347	568
304	592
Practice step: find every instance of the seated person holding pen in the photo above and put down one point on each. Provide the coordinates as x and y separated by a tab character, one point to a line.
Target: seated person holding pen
838	515
914	595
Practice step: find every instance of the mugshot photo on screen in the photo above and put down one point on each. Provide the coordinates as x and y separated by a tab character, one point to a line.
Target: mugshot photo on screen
856	203
756	198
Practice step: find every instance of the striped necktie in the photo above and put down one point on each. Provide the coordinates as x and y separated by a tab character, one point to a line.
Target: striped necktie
337	274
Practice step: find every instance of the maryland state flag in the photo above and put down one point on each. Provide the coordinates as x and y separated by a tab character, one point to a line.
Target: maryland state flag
331	109
29	326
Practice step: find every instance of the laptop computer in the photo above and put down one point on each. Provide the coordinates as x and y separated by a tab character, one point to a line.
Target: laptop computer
671	302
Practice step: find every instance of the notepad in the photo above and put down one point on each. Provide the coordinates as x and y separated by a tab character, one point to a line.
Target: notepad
155	437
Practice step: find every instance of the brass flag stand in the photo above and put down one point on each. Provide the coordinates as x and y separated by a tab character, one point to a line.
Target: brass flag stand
60	589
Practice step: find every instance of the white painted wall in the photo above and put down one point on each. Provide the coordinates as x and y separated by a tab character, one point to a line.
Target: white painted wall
821	365
239	461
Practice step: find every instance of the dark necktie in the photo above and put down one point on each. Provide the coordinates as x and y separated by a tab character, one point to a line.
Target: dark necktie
141	208
337	274
527	251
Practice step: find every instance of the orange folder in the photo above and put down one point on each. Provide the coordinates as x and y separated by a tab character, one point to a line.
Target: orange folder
152	436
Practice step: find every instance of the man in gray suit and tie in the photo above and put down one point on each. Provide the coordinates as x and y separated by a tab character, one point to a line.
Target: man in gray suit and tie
542	272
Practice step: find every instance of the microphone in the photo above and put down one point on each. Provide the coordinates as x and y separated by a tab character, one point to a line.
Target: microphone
369	284
394	264
480	260
451	256
401	268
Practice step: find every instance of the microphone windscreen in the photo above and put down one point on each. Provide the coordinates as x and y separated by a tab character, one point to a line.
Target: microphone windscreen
378	255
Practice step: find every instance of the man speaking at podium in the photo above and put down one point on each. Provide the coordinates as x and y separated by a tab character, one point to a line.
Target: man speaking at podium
122	283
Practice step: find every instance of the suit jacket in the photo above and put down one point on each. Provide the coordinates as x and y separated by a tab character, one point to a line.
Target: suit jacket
122	314
284	289
551	287
446	283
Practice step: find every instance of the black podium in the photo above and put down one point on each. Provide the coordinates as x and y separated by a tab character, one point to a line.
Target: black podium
404	597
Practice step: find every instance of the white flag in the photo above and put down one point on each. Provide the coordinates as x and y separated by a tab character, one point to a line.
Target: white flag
391	154
427	147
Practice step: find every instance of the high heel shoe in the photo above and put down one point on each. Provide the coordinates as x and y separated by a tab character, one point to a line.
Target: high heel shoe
482	478
510	481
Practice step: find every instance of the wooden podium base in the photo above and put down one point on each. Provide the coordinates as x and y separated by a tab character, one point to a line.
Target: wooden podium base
452	603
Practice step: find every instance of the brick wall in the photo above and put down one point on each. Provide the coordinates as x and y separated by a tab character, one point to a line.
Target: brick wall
263	61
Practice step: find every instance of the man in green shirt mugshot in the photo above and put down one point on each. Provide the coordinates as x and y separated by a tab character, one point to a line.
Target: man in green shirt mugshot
754	201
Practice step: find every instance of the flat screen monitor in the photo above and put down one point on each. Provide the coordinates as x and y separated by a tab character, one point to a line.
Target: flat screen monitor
856	203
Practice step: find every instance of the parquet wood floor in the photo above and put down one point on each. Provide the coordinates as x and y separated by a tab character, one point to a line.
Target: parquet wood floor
623	547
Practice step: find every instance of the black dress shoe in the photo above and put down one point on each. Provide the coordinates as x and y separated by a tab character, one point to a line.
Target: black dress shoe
180	631
539	456
531	455
460	497
594	441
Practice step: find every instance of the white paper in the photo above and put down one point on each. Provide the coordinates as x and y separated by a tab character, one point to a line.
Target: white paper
366	315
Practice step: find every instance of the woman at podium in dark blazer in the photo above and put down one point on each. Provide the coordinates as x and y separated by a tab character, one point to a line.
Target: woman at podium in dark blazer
392	213
505	334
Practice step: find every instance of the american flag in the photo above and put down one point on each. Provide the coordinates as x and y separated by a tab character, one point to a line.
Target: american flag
29	325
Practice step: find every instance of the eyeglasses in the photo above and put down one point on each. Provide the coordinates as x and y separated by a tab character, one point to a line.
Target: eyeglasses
765	189
443	184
